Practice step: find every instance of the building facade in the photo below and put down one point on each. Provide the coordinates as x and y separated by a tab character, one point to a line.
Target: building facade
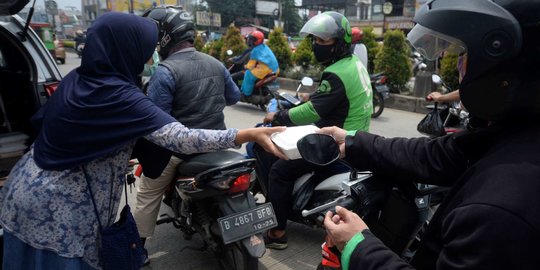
379	14
93	8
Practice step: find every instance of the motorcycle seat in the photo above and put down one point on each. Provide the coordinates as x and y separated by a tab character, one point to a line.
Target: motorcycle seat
200	163
266	80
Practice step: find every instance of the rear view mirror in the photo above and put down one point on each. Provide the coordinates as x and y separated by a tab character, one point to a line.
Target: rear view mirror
318	149
307	81
436	79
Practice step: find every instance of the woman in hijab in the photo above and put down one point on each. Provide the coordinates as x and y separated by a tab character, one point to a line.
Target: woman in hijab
88	130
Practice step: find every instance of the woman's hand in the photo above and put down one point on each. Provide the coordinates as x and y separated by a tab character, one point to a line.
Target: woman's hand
342	226
338	134
435	96
261	136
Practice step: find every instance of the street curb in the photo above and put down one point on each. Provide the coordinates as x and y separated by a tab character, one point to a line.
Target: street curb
396	101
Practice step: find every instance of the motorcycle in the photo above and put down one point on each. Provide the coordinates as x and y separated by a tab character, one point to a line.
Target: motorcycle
417	61
264	89
79	49
380	93
210	196
396	212
455	117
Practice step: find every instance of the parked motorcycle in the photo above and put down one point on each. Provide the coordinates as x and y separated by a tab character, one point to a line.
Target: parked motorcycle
455	117
264	89
210	196
417	61
79	49
380	93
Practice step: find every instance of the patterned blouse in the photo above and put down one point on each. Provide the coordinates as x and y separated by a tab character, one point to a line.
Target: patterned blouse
52	210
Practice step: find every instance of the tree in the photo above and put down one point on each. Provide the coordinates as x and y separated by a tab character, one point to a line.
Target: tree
199	43
393	60
278	44
293	22
233	41
449	72
231	10
215	48
368	39
304	53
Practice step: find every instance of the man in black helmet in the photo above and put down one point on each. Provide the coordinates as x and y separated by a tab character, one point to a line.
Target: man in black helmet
490	217
193	87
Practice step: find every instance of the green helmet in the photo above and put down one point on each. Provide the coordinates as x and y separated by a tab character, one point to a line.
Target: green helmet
329	25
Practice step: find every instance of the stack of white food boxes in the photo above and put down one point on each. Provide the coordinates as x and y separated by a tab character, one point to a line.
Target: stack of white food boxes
286	140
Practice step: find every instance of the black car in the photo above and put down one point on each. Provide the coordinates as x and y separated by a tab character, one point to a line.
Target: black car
28	76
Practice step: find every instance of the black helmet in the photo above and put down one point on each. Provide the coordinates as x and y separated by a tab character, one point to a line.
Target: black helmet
328	25
175	26
500	39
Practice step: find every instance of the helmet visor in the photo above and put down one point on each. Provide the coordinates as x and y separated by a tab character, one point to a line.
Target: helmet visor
322	26
431	43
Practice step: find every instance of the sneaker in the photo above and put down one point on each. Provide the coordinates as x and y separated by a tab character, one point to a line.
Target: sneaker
146	259
275	243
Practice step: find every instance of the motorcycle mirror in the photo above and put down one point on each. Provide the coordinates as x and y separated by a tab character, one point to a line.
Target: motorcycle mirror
229	52
318	149
436	79
307	81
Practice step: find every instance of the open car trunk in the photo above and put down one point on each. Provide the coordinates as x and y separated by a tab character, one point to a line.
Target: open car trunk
18	101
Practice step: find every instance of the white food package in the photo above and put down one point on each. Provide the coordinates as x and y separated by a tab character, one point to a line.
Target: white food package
286	140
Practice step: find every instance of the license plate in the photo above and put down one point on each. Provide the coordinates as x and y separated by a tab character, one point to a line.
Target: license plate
244	224
382	88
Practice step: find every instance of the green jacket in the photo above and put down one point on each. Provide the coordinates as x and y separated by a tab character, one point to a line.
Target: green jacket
343	99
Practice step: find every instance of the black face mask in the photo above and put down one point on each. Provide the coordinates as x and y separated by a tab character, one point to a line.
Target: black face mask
323	53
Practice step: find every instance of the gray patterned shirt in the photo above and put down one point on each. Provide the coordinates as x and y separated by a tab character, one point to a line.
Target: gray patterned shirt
52	210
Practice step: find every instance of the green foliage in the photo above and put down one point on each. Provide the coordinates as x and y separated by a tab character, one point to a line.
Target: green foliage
449	71
215	48
303	56
232	10
393	60
68	43
198	44
372	46
293	22
278	44
234	41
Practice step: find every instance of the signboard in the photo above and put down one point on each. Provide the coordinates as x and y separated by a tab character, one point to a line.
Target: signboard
387	8
51	7
324	2
208	19
266	7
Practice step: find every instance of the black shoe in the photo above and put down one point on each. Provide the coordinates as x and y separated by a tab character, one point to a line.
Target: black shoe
275	243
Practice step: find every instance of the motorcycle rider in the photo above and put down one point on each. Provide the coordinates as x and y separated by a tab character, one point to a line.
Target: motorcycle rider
343	99
79	39
357	47
262	62
193	87
489	219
